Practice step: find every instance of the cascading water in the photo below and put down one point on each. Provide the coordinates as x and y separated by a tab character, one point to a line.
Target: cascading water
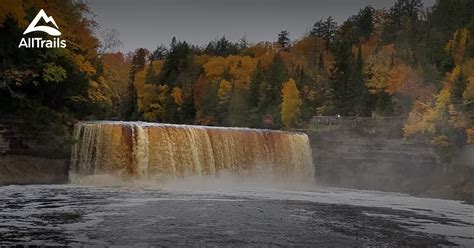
143	150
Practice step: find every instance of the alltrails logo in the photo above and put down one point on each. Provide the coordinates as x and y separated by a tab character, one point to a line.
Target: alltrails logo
40	42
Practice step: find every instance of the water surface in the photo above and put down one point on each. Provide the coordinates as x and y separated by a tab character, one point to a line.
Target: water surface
227	216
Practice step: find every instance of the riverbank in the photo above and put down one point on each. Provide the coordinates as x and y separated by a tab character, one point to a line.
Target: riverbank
20	169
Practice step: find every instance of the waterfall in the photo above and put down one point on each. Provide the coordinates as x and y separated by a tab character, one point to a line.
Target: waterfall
143	150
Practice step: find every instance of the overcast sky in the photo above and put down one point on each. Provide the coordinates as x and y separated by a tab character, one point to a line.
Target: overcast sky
149	23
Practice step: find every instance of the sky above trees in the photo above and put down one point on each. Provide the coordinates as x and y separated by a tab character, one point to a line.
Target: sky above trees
147	23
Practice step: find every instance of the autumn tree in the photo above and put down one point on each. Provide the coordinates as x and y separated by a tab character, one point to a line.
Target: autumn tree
291	104
109	41
49	88
116	72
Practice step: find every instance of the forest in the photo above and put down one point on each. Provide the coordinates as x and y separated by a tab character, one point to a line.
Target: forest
407	61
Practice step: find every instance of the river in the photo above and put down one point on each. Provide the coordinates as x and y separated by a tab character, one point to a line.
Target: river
224	214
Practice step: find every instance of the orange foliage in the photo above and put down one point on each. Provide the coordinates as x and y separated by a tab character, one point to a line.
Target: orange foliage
177	95
367	47
407	81
425	117
116	73
306	52
264	52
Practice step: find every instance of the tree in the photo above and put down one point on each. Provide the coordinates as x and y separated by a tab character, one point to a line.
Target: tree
341	77
138	64
291	104
403	21
358	77
270	91
253	97
326	30
284	39
177	62
239	109
47	89
365	22
109	41
207	114
160	53
404	10
116	71
222	47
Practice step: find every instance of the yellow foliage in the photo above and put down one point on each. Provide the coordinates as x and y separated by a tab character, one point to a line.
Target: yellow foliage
468	94
452	76
83	65
156	66
242	71
177	95
240	68
215	67
225	91
291	103
379	66
424	117
150	97
440	140
201	59
456	46
99	91
420	120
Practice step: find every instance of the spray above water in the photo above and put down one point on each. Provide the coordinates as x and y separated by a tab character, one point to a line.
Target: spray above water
155	152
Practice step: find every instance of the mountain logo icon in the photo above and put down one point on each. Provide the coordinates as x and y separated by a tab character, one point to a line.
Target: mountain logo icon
47	29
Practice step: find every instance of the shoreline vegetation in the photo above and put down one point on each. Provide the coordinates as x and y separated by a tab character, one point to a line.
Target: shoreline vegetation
406	62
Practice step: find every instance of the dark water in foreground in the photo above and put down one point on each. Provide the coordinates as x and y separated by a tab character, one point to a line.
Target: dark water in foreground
142	216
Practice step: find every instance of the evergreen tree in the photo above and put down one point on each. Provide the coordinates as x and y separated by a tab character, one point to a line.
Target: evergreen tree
361	94
138	64
224	47
178	61
284	39
326	30
160	53
258	78
341	77
270	88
